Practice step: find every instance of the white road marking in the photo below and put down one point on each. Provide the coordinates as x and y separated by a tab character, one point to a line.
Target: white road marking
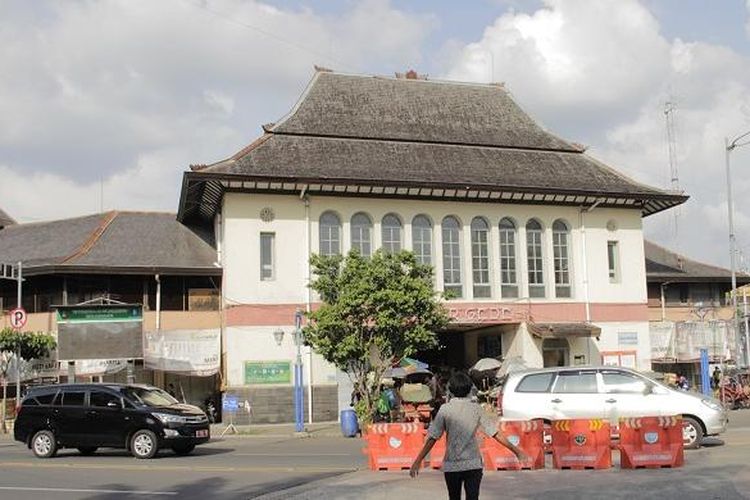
71	490
295	454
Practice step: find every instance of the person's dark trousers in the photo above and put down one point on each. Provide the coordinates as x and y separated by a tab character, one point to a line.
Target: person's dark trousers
470	479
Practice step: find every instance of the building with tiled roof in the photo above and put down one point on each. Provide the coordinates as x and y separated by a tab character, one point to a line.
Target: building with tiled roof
539	243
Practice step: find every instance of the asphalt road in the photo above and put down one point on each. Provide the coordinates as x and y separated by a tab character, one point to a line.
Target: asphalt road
276	468
236	467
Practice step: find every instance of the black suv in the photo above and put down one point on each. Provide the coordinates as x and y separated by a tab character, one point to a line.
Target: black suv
140	418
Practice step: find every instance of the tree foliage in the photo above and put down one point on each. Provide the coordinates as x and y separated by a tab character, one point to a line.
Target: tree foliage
374	312
23	345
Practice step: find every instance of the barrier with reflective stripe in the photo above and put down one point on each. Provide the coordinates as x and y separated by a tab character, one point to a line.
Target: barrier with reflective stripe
527	435
393	446
651	442
581	444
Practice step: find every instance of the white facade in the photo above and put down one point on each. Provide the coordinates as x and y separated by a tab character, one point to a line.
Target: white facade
617	306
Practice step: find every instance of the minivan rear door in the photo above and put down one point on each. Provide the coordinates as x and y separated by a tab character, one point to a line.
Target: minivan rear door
577	394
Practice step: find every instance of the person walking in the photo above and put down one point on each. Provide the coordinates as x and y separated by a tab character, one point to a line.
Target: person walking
460	418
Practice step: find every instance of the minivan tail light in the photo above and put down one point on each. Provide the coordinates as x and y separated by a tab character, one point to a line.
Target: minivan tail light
18	409
500	404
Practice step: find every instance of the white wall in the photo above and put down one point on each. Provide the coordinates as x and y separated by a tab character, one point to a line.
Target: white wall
242	227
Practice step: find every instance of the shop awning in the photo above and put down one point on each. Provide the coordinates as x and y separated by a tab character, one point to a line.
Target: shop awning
563	330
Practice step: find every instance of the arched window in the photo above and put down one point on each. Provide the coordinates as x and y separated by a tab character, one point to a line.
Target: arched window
535	258
452	256
421	239
508	276
480	259
361	227
391	232
561	246
329	234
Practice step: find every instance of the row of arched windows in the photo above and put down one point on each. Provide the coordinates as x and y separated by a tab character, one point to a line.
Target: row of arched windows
453	281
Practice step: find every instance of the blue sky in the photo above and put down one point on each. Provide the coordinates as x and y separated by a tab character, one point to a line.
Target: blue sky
120	96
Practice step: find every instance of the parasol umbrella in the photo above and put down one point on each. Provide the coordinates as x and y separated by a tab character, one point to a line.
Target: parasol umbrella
513	364
486	365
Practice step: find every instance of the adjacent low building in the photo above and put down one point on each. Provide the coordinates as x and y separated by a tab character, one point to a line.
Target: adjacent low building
540	244
144	259
690	309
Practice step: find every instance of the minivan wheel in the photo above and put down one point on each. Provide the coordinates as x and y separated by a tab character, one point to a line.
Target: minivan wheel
87	450
144	444
692	433
184	449
44	444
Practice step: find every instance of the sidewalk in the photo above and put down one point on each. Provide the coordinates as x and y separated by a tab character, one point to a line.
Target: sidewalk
316	430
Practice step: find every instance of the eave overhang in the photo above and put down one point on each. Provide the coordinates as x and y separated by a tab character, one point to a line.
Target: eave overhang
202	193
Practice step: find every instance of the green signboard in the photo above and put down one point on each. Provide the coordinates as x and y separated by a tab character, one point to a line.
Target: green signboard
99	314
268	372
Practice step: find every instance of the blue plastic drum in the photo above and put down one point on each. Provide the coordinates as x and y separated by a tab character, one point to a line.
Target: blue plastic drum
349	425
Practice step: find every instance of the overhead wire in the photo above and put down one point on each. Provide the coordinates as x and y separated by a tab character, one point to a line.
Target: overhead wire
273	36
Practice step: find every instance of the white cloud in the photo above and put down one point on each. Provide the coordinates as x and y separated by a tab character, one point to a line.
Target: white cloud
134	91
600	72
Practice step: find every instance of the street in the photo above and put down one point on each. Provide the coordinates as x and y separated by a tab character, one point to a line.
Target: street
273	467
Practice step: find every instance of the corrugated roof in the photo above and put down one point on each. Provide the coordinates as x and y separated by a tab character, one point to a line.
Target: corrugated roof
354	129
663	264
117	242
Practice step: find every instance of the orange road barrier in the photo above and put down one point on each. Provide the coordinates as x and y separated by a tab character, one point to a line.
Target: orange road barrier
581	444
651	442
527	435
393	446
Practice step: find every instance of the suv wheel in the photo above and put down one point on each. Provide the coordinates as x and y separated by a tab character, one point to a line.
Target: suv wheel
87	450
44	444
184	449
692	433
144	444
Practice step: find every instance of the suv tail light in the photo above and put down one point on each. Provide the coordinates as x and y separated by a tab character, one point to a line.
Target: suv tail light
499	404
18	409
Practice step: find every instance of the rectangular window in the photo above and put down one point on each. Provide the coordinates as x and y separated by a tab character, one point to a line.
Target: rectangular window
613	260
422	243
535	260
508	282
73	398
480	264
267	256
562	271
452	262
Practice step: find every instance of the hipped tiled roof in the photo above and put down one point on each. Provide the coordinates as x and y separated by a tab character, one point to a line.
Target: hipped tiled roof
349	131
663	265
5	219
112	242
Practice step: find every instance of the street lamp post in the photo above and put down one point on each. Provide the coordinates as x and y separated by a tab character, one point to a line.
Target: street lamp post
730	146
298	396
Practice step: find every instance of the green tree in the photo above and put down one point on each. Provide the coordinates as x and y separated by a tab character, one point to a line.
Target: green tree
21	346
375	311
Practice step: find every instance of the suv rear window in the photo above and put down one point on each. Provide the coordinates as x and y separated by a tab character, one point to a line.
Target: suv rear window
538	382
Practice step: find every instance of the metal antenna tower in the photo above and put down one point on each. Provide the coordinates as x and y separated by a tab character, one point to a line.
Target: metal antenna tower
669	111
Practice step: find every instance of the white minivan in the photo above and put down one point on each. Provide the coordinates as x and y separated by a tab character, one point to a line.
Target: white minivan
609	393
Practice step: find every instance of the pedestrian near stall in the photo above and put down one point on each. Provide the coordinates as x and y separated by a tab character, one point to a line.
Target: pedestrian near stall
459	419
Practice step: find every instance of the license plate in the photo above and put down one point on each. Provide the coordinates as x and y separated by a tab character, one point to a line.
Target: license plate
201	433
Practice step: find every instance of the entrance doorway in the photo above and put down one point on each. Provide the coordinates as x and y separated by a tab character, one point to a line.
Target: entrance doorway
555	352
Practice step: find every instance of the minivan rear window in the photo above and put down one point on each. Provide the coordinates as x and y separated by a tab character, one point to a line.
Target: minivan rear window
538	382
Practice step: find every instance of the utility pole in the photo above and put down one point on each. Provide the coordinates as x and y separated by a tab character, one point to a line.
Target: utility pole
730	146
